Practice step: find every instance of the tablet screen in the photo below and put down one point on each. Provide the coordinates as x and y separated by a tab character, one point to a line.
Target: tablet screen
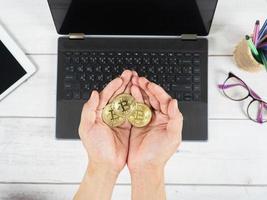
10	70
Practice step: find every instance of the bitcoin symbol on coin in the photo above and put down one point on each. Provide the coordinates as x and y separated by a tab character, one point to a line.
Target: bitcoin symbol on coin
141	116
123	104
110	117
124	107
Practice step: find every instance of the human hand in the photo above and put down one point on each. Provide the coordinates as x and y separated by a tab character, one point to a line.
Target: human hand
152	146
106	147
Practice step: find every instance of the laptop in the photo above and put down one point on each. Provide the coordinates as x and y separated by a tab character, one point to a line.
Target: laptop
163	40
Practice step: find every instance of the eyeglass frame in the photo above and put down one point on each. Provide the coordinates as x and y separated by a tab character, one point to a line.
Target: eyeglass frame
251	93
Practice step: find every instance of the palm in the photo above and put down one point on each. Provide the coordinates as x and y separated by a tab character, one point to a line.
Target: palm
155	143
110	144
147	143
104	144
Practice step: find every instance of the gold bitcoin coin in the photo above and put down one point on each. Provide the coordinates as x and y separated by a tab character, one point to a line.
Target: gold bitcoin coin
141	116
110	117
123	104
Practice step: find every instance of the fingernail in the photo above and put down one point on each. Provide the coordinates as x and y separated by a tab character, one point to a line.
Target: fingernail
176	102
92	94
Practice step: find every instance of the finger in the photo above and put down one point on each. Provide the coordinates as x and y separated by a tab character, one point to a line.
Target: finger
128	88
126	77
88	115
160	95
143	82
135	73
145	97
109	91
136	93
135	80
175	124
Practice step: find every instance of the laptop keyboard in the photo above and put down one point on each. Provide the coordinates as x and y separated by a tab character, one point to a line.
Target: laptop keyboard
178	73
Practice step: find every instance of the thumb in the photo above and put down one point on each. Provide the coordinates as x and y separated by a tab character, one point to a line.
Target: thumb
88	115
175	124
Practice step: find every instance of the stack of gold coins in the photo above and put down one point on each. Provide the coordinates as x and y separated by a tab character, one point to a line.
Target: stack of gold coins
124	107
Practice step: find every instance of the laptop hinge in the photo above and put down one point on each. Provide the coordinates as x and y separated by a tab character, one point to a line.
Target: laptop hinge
189	36
76	36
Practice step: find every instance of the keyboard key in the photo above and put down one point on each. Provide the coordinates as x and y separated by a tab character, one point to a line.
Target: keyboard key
162	78
100	77
173	61
85	95
187	62
68	60
188	55
80	68
171	79
187	96
196	62
117	69
69	77
108	77
76	85
89	69
87	86
76	60
76	94
155	60
67	94
183	79
179	96
91	78
196	70
169	69
160	69
81	77
197	97
69	68
151	69
67	86
178	87
196	87
187	69
98	69
166	86
196	79
96	86
177	70
196	55
84	59
154	78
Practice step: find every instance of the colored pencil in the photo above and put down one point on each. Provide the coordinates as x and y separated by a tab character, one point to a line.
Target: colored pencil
264	44
252	46
256	32
263	58
263	30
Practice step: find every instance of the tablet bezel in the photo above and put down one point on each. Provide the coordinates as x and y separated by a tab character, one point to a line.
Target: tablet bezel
20	56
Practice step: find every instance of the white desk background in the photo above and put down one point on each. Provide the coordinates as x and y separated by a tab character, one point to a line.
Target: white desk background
36	166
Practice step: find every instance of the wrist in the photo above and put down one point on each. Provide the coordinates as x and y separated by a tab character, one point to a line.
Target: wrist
102	170
145	167
156	172
148	183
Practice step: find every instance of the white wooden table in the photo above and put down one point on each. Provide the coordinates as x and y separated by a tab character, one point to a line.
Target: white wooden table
36	166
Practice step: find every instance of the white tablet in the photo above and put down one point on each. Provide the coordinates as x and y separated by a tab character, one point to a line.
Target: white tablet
15	67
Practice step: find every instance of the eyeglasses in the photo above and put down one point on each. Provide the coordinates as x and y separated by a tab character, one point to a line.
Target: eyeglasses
237	90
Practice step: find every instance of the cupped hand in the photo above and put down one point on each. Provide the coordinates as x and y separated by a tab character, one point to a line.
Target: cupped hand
106	146
153	145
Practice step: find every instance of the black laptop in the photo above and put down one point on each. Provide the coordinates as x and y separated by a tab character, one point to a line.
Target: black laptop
160	39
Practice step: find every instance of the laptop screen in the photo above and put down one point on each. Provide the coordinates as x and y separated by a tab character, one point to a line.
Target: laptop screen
133	17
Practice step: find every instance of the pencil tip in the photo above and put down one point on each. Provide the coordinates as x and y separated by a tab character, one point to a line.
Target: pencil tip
258	22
